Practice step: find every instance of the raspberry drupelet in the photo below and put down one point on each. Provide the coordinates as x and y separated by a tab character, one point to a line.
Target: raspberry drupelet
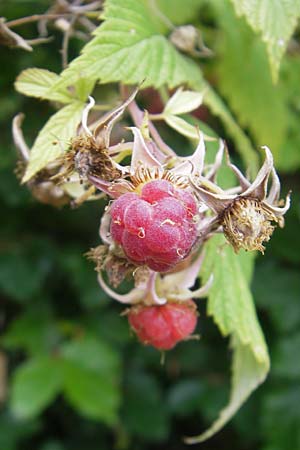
163	326
155	226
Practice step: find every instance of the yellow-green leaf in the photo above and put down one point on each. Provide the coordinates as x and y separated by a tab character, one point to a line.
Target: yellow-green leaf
275	20
131	46
231	305
38	82
183	102
54	138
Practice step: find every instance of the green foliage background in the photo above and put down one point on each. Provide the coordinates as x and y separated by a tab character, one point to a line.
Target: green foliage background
76	377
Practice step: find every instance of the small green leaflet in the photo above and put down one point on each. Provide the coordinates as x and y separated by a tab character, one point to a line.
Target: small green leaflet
231	305
34	386
38	82
90	385
54	138
130	46
275	20
183	102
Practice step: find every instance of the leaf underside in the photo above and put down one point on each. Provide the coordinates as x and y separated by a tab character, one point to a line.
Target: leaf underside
231	305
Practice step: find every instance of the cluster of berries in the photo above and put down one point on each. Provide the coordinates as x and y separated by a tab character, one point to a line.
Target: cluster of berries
157	228
163	208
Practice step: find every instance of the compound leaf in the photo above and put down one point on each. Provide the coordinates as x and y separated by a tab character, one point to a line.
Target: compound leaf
130	46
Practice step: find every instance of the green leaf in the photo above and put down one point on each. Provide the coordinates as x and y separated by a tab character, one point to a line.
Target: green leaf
129	46
35	331
85	283
38	82
35	384
83	88
231	306
183	127
22	274
91	384
185	397
183	102
92	354
259	105
54	138
179	12
280	417
145	413
243	144
275	21
285	363
94	395
289	157
13	431
276	289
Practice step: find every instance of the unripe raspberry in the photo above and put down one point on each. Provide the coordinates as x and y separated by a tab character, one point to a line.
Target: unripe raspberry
163	326
156	228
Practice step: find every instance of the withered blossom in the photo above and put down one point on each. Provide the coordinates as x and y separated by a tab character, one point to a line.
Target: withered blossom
249	217
90	153
41	186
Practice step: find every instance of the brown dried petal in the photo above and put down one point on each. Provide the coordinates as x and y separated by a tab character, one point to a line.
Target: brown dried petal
247	224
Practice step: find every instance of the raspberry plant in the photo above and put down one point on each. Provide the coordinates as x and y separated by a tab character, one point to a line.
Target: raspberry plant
174	226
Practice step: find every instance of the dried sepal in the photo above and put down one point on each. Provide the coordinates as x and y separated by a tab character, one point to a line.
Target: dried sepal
116	267
247	224
248	217
41	185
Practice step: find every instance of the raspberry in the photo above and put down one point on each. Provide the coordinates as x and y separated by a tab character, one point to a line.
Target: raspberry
163	326
155	228
156	190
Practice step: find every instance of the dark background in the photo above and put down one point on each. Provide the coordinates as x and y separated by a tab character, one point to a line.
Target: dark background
49	297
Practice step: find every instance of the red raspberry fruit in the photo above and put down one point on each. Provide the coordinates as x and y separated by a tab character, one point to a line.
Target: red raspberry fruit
157	227
163	326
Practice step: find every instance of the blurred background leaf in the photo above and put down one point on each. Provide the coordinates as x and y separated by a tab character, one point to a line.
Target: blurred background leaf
73	368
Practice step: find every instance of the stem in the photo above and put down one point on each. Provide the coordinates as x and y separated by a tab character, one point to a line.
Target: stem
65	43
155	117
137	116
160	142
34	18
